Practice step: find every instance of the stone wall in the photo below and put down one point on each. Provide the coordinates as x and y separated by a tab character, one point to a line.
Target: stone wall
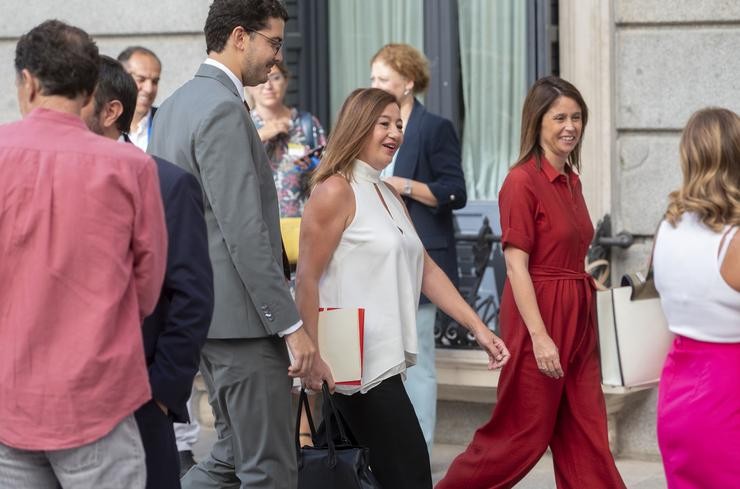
644	66
171	28
670	59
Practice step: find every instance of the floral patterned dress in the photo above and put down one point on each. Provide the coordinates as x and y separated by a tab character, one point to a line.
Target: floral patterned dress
283	150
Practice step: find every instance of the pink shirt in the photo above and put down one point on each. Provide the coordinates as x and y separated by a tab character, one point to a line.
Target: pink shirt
83	247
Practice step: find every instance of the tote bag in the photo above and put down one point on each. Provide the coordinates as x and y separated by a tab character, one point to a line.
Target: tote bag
633	333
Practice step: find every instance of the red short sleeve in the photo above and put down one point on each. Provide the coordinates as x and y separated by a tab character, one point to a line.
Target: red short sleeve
517	207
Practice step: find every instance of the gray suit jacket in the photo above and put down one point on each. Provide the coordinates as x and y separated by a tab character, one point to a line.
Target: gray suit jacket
204	128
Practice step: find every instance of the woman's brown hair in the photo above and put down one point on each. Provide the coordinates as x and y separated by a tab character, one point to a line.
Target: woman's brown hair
710	163
540	98
355	123
408	62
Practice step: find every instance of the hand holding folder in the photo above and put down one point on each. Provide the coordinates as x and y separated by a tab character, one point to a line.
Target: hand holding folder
341	333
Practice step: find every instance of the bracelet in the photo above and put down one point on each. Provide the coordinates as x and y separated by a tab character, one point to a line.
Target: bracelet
407	188
305	434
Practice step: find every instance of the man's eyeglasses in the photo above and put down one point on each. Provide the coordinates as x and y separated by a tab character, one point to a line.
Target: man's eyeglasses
275	43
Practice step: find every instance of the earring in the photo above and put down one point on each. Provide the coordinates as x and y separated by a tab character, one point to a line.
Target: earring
405	92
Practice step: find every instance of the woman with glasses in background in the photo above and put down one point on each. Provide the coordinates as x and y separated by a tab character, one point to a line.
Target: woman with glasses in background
288	135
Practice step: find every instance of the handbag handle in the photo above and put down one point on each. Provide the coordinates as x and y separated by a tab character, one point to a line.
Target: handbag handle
303	404
329	410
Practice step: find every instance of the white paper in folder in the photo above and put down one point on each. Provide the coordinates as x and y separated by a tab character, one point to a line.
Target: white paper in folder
341	333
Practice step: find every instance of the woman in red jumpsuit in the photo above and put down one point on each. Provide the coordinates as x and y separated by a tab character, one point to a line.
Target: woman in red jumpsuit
549	394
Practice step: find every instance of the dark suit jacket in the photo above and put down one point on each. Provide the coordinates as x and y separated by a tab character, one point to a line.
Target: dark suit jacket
430	153
177	329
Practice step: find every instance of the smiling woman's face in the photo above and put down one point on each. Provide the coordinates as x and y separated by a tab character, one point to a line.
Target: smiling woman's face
561	128
385	139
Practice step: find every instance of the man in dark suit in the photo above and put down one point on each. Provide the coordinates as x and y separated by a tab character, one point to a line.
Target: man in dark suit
145	67
176	331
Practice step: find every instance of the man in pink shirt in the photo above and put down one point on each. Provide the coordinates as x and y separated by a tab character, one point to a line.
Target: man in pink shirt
83	247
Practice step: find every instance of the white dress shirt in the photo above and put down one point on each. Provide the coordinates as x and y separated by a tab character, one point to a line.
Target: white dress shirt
140	137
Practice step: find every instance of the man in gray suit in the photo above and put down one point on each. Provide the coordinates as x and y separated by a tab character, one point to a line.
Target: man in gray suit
204	126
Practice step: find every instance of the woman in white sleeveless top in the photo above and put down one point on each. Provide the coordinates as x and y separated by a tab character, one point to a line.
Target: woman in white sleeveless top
358	248
697	272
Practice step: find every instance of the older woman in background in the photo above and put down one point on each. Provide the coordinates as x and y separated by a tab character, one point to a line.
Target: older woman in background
359	249
697	272
550	393
288	135
427	172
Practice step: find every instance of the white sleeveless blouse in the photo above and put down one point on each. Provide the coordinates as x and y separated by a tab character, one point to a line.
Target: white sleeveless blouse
696	300
377	265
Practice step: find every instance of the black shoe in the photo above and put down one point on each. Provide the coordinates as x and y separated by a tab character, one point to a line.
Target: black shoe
186	461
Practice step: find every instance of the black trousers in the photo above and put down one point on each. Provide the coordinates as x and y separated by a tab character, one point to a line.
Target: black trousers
384	421
158	438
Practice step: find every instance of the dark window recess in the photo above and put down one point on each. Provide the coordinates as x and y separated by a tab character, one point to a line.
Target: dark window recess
292	47
442	48
307	55
542	39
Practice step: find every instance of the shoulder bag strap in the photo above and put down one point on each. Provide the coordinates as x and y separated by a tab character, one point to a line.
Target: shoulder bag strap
303	404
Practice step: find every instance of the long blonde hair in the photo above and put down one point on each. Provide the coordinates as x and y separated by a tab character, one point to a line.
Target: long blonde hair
355	123
710	162
541	96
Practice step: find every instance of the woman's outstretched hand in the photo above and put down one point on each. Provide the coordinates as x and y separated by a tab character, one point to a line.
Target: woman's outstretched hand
498	354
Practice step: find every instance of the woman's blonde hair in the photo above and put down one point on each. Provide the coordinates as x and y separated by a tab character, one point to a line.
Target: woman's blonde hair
541	96
408	62
355	123
710	163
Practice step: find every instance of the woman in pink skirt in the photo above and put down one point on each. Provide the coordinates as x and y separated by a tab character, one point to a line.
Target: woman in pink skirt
697	272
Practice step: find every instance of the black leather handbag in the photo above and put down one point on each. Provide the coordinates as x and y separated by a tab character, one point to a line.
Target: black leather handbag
335	462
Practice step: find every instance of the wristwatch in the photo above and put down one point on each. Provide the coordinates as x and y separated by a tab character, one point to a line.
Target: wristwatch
407	188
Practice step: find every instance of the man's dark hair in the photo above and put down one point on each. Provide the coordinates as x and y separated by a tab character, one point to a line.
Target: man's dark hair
225	15
114	83
64	58
126	54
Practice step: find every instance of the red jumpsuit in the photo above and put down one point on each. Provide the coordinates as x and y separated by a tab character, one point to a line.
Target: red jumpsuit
544	216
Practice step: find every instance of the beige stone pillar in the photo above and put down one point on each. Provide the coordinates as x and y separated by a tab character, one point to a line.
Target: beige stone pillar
586	35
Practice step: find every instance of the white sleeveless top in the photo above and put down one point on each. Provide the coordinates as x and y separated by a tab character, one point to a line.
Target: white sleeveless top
696	300
377	265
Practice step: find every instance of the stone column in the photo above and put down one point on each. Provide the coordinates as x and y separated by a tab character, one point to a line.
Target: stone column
586	47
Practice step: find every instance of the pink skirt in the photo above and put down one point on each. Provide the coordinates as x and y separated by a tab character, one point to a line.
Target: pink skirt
699	415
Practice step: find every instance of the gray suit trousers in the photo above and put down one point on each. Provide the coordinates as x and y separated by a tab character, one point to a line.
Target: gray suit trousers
249	391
